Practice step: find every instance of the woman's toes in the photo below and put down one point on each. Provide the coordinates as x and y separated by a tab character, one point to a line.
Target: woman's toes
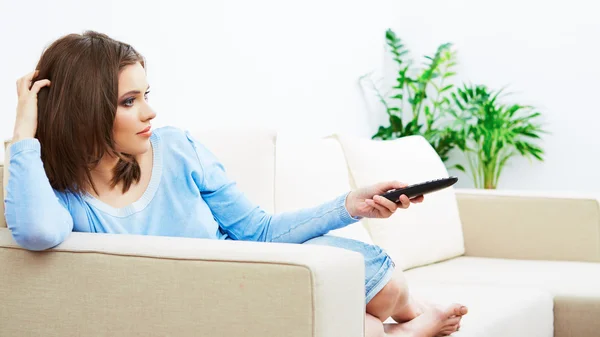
459	310
452	321
448	330
454	310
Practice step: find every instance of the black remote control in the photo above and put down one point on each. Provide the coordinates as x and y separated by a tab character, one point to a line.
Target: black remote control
416	190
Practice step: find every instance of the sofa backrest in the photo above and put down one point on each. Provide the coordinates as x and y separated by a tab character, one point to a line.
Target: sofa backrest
286	172
310	171
249	159
424	233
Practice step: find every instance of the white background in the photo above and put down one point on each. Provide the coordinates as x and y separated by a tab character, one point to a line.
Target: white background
295	65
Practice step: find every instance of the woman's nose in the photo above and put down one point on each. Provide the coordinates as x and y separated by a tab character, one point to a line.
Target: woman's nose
147	113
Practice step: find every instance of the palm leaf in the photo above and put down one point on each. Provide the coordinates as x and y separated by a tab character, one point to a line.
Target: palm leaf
493	132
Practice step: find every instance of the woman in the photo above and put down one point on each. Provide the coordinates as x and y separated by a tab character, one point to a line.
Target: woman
84	155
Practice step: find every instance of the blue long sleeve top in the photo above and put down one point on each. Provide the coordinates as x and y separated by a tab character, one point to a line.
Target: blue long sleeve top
189	195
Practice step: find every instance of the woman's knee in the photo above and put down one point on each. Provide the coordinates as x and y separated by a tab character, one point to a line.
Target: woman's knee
402	287
393	295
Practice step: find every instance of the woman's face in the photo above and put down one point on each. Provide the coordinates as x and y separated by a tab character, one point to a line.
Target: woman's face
131	129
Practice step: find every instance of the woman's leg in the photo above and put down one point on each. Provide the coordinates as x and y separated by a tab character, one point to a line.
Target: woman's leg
404	308
387	295
394	301
373	327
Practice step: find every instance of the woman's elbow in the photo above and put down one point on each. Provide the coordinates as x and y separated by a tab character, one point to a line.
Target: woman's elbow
37	240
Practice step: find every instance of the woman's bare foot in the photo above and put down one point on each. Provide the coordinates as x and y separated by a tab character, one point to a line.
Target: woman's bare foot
448	331
433	322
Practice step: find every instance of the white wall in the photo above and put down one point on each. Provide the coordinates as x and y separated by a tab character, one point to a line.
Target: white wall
547	52
294	65
228	63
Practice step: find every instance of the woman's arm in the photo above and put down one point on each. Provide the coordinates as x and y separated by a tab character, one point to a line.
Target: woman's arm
34	214
37	217
241	219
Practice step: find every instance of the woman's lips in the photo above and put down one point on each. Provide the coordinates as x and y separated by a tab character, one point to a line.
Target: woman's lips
145	132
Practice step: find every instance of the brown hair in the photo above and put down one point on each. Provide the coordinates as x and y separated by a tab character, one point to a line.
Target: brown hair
76	113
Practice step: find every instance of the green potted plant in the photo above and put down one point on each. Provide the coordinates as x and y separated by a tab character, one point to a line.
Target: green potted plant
471	119
418	102
490	133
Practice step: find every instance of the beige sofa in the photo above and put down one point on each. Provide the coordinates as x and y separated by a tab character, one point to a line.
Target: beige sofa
525	263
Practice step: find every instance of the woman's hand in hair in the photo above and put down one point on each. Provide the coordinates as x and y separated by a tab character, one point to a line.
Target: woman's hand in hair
26	121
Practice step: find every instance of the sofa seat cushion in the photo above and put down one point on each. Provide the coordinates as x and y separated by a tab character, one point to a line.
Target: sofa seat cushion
575	286
495	311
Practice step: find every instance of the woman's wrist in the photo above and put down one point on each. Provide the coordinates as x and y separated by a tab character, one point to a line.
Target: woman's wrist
349	204
22	133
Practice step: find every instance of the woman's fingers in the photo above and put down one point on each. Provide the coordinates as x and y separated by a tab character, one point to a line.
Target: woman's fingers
38	85
385	202
24	82
417	200
404	201
382	210
398	184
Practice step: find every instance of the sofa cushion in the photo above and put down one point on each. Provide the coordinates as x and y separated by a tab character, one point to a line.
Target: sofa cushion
310	171
495	311
424	233
249	159
574	285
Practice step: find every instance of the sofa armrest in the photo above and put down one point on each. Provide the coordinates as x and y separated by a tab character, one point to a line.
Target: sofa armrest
525	225
126	285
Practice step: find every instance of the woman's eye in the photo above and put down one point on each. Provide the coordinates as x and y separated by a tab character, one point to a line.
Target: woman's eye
146	95
129	102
